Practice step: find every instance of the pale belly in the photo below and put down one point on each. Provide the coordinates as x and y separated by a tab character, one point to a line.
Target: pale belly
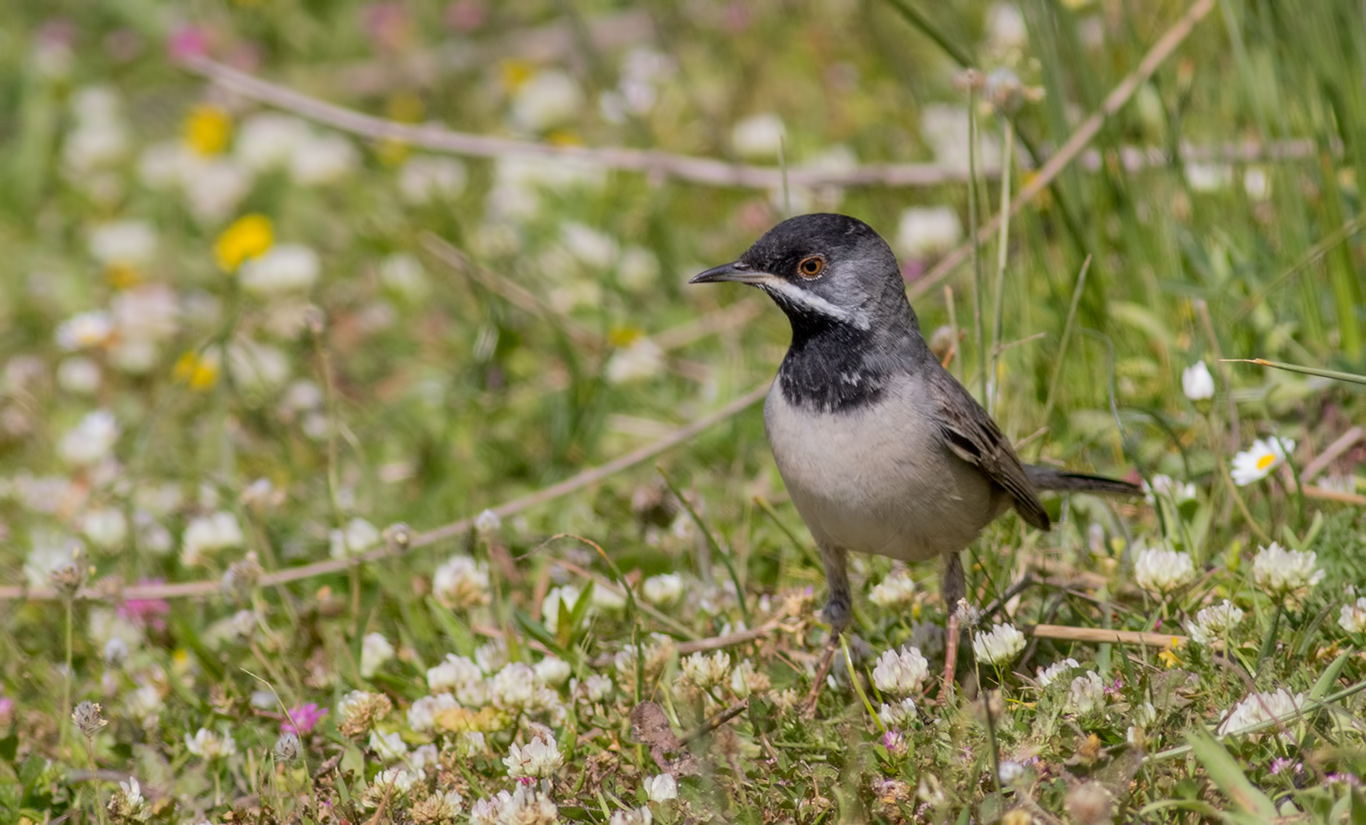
888	487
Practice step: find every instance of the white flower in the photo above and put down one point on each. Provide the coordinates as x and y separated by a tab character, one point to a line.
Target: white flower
324	159
539	758
399	779
1197	382
487	523
597	687
422	713
453	673
359	536
388	746
704	672
106	527
215	187
206	535
78	374
461	583
998	645
553	671
639	360
1284	573
1085	694
129	805
1208	177
375	650
427	178
595	249
897	590
568	595
1257	183
1009	771
146	313
1260	459
1212	623
1162	485
1353	616
900	672
89	441
548	99
286	267
525	806
403	273
661	788
634	816
1049	675
514	687
210	744
898	714
758	137
946	129
663	590
1161	570
1257	708
126	243
638	269
923	232
1006	27
88	329
267	140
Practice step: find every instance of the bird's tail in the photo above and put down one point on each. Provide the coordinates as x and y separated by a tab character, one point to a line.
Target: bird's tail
1048	478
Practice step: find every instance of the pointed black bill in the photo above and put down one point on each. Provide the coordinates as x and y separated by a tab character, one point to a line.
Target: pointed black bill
737	271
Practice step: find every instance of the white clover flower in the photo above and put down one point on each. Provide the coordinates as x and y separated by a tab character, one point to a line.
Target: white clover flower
705	672
1006	30
1197	382
491	656
746	679
550	605
257	368
661	788
453	672
207	535
1085	694
115	652
422	713
485	811
664	590
1009	771
633	816
898	714
86	330
359	536
210	744
525	806
79	375
1257	183
1257	462
1257	708
540	758
128	805
758	137
399	779
593	248
1049	675
597	687
1212	623
145	313
895	591
323	159
514	687
267	140
1164	485
105	527
639	360
923	232
1285	573
1163	571
999	645
284	268
1352	618
900	672
403	273
1208	177
375	650
546	100
389	747
427	178
461	583
125	243
553	671
487	524
214	187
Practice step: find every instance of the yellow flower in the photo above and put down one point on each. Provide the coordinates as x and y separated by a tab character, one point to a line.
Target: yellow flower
200	372
1168	655
206	129
248	237
563	137
122	276
515	73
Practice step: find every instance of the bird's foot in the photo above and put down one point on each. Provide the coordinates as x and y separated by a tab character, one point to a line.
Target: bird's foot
950	655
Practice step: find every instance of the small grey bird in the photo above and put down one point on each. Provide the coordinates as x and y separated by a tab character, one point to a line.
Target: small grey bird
881	449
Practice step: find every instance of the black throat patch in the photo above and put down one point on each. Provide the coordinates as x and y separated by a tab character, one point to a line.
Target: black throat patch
829	370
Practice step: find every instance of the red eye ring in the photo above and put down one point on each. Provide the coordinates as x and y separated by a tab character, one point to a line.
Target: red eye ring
811	266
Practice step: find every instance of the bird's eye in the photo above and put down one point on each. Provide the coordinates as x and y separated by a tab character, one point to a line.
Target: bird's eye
811	266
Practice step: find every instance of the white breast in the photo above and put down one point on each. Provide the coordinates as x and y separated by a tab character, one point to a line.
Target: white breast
878	479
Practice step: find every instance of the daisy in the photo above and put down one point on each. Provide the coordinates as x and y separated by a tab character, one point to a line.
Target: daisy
1257	462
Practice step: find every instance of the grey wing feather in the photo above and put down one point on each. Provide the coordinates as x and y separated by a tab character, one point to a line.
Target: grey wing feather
974	437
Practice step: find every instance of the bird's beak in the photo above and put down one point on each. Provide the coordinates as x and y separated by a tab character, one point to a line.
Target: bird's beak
737	271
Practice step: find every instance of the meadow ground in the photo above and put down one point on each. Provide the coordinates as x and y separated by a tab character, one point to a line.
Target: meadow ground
364	457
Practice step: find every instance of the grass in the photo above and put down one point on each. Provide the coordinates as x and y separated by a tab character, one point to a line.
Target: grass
347	487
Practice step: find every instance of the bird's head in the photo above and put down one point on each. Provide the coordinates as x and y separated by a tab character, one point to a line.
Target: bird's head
823	270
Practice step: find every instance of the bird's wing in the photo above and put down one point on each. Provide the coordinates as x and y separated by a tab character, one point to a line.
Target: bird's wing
974	437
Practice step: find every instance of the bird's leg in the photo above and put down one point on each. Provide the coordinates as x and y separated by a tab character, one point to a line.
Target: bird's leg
953	589
839	611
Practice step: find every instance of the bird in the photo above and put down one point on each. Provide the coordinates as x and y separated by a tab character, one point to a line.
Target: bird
881	449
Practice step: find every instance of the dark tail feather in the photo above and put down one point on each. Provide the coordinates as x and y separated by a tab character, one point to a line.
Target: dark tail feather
1047	478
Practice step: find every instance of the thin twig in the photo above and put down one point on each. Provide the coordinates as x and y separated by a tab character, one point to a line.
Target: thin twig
1340	445
1100	635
